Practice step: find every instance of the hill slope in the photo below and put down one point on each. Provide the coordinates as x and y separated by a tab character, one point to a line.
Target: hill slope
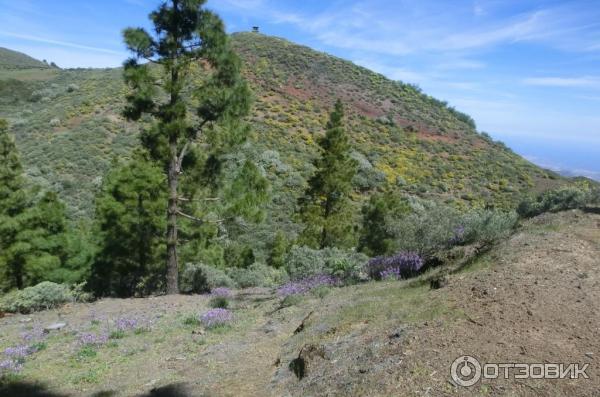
533	299
13	60
68	127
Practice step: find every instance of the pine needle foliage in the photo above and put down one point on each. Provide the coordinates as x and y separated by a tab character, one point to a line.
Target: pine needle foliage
324	206
186	78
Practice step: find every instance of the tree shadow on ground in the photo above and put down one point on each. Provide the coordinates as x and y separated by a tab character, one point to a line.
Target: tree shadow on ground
592	210
25	389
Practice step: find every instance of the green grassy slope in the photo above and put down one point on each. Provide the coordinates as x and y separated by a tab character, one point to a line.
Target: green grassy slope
14	60
68	127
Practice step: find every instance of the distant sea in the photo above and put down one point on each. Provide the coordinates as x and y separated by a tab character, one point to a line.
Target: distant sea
569	158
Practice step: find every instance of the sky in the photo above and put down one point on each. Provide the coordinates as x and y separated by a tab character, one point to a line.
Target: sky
526	71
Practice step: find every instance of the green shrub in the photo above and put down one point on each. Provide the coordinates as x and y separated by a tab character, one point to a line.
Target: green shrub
321	291
239	255
45	295
117	334
200	278
432	228
304	262
258	275
427	230
87	352
487	226
291	300
191	320
220	302
278	249
555	200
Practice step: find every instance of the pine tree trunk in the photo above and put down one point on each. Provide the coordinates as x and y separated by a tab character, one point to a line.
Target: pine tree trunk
324	232
172	265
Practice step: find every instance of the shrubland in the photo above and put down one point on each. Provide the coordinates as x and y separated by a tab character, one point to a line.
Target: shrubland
331	166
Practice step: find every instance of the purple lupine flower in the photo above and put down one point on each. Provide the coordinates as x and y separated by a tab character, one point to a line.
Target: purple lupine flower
306	284
88	338
33	335
221	292
391	273
125	323
10	366
459	235
216	317
17	351
404	264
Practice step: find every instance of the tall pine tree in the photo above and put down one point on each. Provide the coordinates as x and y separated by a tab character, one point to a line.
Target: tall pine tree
32	229
130	226
189	83
324	206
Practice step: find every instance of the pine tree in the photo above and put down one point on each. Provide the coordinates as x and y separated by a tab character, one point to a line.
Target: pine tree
187	104
43	228
32	233
13	203
325	205
278	249
377	236
130	225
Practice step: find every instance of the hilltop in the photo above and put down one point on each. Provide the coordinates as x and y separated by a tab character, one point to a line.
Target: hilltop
14	60
68	128
532	298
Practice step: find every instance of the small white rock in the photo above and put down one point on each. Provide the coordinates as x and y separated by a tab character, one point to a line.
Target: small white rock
54	327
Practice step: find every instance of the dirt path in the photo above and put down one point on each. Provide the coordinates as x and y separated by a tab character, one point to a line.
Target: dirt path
534	299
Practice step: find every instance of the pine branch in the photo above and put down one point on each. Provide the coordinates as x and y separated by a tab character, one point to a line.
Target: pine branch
198	220
153	61
202	199
181	156
187	145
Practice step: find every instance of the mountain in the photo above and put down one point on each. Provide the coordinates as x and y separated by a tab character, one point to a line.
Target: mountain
13	60
68	128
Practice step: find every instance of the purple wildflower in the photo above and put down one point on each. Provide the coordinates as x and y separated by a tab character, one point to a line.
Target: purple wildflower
216	317
33	335
404	264
459	235
221	292
391	273
125	324
306	284
17	351
10	366
88	338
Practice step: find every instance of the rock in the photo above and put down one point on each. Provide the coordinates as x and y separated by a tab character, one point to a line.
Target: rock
54	327
438	282
396	333
299	365
25	320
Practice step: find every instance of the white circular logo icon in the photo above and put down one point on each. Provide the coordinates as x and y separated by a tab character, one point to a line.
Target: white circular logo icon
465	371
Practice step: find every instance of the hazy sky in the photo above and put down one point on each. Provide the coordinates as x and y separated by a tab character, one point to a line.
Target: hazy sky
527	71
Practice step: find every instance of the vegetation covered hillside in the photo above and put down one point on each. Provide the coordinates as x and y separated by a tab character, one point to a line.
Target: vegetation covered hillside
13	60
533	297
69	127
